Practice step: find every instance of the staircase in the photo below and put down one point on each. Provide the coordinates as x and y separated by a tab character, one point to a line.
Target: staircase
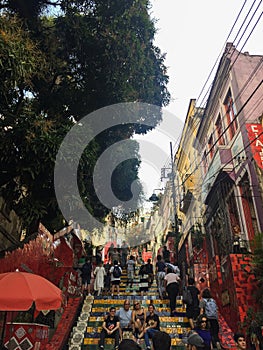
85	335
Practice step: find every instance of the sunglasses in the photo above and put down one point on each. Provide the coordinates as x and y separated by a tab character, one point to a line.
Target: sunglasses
203	321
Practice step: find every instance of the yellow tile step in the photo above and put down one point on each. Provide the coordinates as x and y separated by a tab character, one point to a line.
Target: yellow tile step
162	319
157	309
90	341
169	330
121	301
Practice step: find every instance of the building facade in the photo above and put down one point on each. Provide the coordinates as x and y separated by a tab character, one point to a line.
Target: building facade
229	140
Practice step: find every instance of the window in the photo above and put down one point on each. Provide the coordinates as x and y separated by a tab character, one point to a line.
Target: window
211	148
204	161
230	115
219	131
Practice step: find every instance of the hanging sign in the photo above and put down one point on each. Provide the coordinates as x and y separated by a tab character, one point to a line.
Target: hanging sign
255	135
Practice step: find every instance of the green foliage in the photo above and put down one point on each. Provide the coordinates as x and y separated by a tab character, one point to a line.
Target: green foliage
257	263
251	317
55	70
197	236
256	315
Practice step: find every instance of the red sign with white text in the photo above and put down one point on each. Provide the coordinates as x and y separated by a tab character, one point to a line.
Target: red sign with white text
255	135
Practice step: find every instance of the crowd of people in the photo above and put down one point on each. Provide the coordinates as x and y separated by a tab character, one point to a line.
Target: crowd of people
201	307
140	323
145	324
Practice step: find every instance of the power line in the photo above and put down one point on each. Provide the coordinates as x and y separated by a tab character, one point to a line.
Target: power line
248	80
203	102
249	98
221	51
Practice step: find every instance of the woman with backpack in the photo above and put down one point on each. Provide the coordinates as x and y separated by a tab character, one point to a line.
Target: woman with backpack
160	273
115	272
209	308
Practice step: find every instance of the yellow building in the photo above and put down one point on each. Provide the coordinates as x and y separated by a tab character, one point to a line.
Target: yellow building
188	183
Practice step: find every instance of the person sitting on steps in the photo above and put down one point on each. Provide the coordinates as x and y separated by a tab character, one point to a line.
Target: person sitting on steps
110	329
152	325
138	319
125	317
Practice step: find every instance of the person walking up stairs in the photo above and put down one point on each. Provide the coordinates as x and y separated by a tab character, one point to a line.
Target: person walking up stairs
115	272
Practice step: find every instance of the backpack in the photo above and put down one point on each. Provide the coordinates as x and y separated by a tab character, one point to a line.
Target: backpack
116	272
210	308
148	268
187	296
142	270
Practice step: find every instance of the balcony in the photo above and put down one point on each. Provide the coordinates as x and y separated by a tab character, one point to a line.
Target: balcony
185	203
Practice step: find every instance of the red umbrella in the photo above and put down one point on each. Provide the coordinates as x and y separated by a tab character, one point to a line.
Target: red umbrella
19	290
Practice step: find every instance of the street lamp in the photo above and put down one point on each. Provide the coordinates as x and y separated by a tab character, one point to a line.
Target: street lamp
154	197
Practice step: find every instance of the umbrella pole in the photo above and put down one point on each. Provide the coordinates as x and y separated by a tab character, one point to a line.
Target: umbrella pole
3	332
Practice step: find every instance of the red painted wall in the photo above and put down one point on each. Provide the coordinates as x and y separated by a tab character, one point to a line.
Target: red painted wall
233	288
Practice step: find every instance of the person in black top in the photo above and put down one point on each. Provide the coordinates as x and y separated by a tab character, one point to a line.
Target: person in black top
161	340
110	329
193	310
160	273
152	325
86	270
129	344
149	271
202	328
144	283
166	254
124	253
107	277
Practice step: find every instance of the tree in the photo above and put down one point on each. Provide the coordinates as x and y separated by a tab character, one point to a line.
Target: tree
254	318
57	69
257	262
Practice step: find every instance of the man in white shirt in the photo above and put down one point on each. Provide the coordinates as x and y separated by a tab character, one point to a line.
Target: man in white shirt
125	315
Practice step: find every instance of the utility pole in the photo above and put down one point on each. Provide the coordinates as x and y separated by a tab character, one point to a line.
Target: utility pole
176	228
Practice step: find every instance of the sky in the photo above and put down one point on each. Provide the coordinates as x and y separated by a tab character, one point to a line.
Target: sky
193	34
